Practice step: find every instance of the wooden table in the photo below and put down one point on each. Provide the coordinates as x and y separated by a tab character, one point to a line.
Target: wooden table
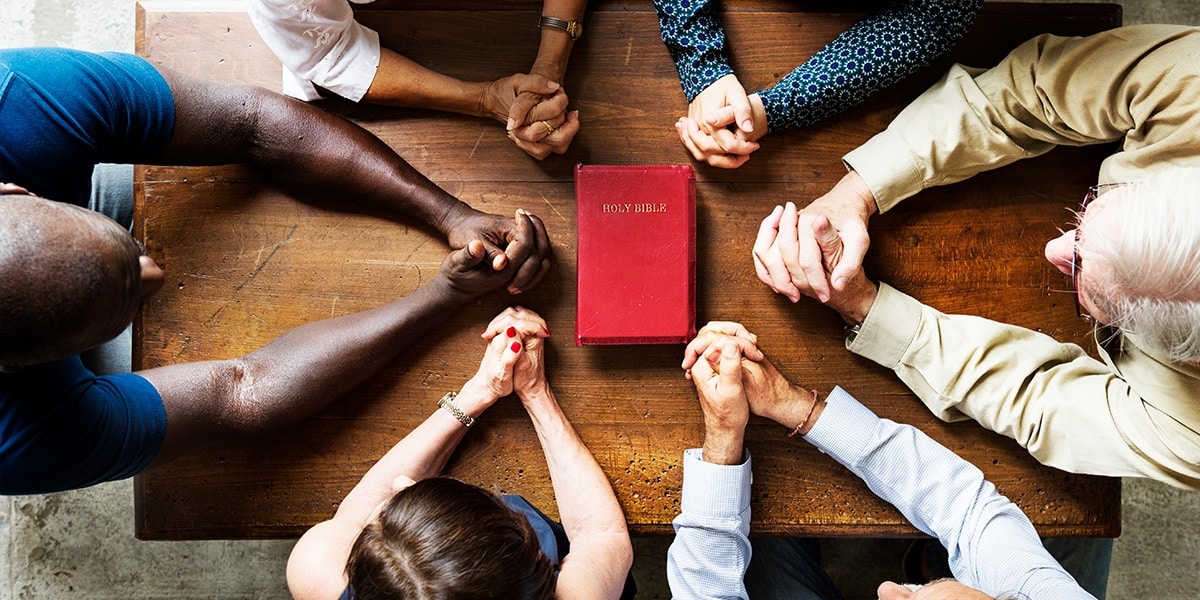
244	263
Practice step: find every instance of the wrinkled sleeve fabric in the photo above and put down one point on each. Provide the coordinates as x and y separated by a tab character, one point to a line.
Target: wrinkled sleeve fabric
711	550
62	111
693	33
318	42
1132	416
1139	84
870	56
992	545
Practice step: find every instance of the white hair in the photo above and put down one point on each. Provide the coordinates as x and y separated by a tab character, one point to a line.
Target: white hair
1147	281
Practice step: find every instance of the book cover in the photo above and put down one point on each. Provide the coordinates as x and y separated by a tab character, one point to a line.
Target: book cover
636	229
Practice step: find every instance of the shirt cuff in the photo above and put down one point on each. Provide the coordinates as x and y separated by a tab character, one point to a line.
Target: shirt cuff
889	329
714	490
844	429
349	70
888	167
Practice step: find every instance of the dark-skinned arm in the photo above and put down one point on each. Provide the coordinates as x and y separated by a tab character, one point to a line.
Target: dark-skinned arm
308	367
328	161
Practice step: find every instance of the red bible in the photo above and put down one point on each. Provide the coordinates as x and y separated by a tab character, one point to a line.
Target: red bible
637	254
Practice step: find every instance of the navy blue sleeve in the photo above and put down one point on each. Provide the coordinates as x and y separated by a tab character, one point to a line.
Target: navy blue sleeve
63	111
873	54
62	427
693	34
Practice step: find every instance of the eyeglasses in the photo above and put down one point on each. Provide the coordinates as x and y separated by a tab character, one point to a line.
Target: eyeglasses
1093	192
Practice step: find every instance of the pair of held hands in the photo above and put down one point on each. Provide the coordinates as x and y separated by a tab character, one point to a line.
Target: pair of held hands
534	111
818	251
733	377
733	380
723	124
515	359
490	251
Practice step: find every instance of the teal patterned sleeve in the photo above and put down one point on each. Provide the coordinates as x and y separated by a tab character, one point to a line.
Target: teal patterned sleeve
870	56
693	34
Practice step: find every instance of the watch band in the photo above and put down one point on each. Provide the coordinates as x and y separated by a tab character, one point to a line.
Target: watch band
574	27
447	402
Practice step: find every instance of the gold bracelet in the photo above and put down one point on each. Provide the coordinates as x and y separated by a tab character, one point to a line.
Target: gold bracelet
447	402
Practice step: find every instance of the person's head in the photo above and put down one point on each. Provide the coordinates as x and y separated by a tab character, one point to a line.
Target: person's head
1139	261
70	280
439	539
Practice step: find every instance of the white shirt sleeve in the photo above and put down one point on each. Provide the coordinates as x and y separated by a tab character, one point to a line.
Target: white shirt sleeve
318	42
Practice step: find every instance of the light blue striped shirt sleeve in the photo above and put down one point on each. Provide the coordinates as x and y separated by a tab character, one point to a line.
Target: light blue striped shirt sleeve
992	545
711	549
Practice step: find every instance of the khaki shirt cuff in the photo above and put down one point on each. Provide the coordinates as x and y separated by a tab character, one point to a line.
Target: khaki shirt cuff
889	329
885	163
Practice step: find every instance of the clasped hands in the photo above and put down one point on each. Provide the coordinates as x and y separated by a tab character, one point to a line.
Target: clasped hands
723	124
491	251
734	379
534	111
514	360
818	251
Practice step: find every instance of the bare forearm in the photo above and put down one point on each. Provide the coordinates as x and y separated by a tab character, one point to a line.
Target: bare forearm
554	50
332	162
586	502
321	158
333	356
422	454
402	82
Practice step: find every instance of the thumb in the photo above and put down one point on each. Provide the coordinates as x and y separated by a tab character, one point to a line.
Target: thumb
731	366
469	256
828	240
745	117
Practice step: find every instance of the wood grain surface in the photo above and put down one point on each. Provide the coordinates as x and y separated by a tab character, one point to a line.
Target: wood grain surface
244	263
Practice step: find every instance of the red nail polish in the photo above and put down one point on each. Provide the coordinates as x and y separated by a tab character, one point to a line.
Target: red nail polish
512	332
516	347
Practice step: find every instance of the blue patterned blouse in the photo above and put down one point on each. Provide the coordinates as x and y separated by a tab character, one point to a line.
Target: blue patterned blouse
873	54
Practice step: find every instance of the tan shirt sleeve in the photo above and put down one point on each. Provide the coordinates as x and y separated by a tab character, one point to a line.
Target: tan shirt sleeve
1069	410
1137	83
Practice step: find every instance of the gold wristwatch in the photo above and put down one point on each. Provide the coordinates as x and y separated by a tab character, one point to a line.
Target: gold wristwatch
574	27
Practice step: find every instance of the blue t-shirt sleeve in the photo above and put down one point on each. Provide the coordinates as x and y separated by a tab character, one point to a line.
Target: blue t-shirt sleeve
63	111
62	427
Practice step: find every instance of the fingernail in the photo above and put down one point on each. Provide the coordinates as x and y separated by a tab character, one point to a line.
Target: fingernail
547	330
516	346
484	332
748	125
511	331
553	85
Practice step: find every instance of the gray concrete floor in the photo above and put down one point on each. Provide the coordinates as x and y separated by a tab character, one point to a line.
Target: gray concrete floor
80	544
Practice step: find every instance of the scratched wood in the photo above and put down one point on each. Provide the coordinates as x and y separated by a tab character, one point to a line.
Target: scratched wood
244	263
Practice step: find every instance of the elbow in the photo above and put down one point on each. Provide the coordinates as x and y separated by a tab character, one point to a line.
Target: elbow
242	411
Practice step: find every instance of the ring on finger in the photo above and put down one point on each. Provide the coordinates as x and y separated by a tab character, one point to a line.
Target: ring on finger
549	128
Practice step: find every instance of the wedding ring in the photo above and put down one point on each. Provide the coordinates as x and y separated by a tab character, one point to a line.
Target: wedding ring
549	128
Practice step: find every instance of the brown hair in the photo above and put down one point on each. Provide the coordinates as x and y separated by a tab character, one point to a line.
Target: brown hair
442	539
